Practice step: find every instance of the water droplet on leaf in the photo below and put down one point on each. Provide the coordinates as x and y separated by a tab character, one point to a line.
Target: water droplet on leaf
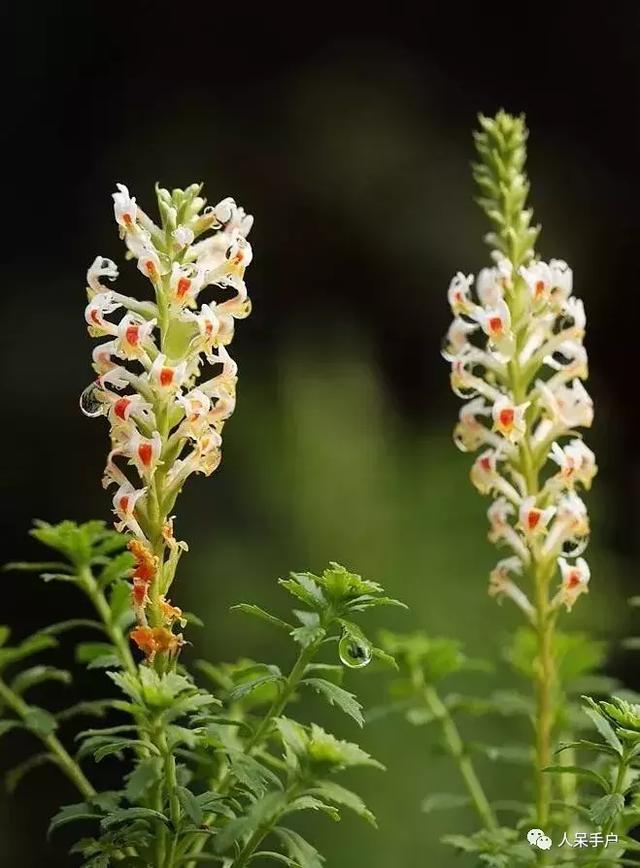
90	401
354	651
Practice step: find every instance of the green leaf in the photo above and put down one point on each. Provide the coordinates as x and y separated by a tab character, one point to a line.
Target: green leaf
261	813
252	773
118	567
71	624
308	634
336	695
8	725
602	725
127	815
37	675
580	772
310	803
40	721
190	805
257	612
300	850
120	604
444	802
145	775
17	773
71	813
35	566
116	747
606	809
30	646
326	751
247	687
304	587
274	857
91	708
5	632
339	795
97	655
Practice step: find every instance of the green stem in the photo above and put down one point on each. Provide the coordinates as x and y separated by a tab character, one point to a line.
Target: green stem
545	690
55	747
457	750
275	710
119	640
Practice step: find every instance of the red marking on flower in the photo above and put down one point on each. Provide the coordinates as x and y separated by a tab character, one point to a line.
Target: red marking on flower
145	453
485	463
127	219
506	417
533	517
132	335
94	316
150	268
124	503
146	561
120	408
184	285
139	593
573	580
208	328
166	376
495	324
540	287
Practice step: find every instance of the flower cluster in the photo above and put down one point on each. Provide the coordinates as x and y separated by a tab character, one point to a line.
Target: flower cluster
517	356
165	379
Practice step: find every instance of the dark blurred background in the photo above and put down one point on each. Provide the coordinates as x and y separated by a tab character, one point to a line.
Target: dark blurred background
346	131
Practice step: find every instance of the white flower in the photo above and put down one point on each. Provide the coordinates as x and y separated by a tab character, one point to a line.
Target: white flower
509	419
490	287
576	461
459	293
568	405
144	452
539	280
457	338
124	207
183	236
124	504
102	304
501	585
133	332
166	377
101	267
575	581
532	519
496	324
562	281
469	433
484	472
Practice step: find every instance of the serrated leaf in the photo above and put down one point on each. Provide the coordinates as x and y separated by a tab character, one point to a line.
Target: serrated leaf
117	567
606	809
116	747
300	850
122	613
40	721
275	857
190	805
336	695
339	795
310	803
252	773
262	614
603	726
308	634
260	813
30	646
71	624
126	815
246	687
145	775
71	813
302	586
97	655
37	675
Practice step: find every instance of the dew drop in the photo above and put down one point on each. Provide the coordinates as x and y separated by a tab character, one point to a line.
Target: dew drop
354	652
90	402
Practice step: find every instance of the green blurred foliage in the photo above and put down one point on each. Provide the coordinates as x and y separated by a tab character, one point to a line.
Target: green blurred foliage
318	466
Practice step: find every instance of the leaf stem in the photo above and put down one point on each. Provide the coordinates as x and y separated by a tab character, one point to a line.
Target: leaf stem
55	747
462	759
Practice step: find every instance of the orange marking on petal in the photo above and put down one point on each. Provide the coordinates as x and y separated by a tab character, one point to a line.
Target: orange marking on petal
132	335
184	285
126	218
124	503
120	408
485	463
166	376
495	324
533	517
506	417
573	580
540	287
145	453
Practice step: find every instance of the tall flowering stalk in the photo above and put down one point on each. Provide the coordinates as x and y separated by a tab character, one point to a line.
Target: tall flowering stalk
165	381
518	360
